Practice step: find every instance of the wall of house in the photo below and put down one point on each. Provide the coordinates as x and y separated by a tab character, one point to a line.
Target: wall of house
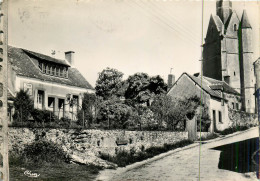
51	90
220	122
185	87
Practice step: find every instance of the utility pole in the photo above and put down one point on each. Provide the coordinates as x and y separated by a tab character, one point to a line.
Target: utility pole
3	90
257	93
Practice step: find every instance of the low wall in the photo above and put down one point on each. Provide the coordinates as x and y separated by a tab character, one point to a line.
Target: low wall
85	146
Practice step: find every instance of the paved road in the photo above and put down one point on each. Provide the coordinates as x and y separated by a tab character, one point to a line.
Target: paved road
184	165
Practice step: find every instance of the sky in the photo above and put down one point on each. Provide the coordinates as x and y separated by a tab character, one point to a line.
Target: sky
150	36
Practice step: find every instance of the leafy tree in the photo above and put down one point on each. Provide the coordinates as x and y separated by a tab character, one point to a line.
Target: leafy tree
108	83
88	109
175	112
23	105
141	88
157	85
162	106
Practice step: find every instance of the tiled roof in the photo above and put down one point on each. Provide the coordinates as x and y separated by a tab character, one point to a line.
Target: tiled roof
45	57
219	85
24	66
211	86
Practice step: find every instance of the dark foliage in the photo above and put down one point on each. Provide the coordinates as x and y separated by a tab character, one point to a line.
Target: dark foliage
231	130
43	151
23	105
43	116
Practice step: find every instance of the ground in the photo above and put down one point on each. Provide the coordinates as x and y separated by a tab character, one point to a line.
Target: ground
183	164
52	172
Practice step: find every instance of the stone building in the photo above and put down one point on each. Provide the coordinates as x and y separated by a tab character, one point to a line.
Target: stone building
50	82
217	95
228	52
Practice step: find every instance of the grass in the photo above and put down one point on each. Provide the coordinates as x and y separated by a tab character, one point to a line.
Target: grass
53	172
124	158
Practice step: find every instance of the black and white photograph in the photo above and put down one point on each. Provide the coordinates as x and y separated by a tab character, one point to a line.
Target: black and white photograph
129	90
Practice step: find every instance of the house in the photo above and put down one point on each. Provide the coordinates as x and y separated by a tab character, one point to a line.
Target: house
228	52
51	83
217	95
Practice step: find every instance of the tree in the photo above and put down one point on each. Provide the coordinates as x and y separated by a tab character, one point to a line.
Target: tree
23	105
88	109
162	107
141	88
114	114
108	83
174	111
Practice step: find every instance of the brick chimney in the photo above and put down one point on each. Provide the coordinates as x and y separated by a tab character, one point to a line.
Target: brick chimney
171	80
69	56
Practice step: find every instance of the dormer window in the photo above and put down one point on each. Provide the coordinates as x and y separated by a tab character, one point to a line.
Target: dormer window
235	27
54	70
47	69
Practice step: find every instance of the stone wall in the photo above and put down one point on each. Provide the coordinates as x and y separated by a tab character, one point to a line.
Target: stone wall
242	118
86	145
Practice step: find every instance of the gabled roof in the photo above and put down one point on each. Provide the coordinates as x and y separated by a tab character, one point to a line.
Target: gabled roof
211	86
24	66
244	20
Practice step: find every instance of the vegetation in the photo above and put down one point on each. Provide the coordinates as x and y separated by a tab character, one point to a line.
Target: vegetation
108	83
124	158
23	105
231	130
50	161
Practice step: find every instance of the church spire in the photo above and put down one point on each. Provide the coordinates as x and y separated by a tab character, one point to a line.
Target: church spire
244	21
224	9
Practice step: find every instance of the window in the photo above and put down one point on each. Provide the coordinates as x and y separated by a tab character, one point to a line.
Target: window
237	106
235	27
234	73
62	73
40	97
44	68
47	69
60	108
51	102
233	105
75	100
55	71
40	66
219	117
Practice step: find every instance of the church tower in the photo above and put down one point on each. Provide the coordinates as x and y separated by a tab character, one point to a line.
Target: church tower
246	64
224	9
227	52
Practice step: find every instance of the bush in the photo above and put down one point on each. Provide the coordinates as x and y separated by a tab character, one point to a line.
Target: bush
44	151
43	116
231	130
23	104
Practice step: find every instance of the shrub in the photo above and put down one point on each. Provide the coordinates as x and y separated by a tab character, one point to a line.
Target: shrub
44	151
231	130
23	104
43	116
